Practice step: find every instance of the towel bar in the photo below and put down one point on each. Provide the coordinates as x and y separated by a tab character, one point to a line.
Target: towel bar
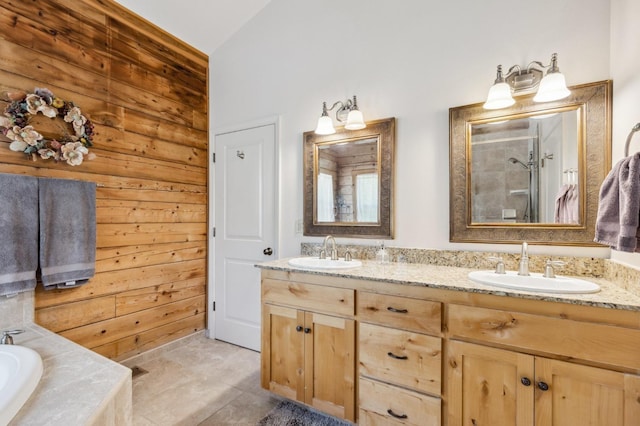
626	145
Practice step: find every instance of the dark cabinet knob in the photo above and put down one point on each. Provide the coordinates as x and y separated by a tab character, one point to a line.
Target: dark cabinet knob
307	330
299	328
543	386
268	251
525	381
397	416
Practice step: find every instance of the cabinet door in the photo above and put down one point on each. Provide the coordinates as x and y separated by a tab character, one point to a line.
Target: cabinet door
488	386
578	395
330	364
282	351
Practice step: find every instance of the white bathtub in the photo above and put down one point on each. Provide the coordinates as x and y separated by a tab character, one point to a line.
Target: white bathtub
20	372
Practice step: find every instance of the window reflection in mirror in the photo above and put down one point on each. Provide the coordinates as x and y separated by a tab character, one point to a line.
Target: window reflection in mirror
526	170
347	182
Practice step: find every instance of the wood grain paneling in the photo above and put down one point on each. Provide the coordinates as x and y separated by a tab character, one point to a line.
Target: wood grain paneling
146	94
135	344
70	315
104	332
127	257
124	280
118	211
149	297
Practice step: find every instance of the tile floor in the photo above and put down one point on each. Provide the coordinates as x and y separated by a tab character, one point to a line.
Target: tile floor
199	381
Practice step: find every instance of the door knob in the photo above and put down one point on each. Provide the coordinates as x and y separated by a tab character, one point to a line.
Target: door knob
268	251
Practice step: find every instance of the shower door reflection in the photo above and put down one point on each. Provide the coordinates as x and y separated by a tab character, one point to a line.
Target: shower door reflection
517	169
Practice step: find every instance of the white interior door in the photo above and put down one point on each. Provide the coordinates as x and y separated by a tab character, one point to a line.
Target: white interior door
245	220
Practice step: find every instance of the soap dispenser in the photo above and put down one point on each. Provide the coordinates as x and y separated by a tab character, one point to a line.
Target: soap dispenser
382	256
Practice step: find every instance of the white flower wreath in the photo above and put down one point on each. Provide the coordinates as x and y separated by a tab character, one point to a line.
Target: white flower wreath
70	147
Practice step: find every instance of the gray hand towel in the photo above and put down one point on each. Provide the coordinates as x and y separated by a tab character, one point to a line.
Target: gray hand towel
18	233
629	205
67	232
619	207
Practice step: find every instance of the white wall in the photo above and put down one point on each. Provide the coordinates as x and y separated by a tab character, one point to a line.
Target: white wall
625	72
411	59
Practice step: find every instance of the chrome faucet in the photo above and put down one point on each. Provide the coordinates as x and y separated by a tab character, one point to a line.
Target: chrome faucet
548	267
7	336
523	267
334	251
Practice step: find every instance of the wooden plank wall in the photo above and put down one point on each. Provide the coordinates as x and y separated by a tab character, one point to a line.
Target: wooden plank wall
146	93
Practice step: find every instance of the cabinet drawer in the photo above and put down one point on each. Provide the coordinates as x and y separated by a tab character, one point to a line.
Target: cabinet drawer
602	344
331	300
422	316
401	357
379	402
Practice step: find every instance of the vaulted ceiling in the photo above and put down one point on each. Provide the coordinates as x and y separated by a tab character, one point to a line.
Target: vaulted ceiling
204	24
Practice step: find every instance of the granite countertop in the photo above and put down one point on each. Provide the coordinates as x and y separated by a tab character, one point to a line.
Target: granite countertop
455	278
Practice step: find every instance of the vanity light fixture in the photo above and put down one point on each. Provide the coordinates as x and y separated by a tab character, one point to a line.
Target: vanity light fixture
347	111
551	87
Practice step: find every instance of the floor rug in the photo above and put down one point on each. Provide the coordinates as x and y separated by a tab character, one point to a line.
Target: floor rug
288	413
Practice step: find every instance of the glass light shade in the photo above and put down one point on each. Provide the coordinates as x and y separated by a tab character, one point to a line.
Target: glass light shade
325	126
552	87
499	97
355	121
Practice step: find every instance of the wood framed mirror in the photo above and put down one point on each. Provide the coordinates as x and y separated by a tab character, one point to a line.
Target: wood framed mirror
348	181
531	172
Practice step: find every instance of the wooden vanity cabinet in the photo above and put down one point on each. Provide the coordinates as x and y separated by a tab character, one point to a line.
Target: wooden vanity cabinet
499	386
400	365
309	356
387	354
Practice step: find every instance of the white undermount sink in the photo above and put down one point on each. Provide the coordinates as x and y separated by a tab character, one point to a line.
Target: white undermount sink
317	263
20	372
534	282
